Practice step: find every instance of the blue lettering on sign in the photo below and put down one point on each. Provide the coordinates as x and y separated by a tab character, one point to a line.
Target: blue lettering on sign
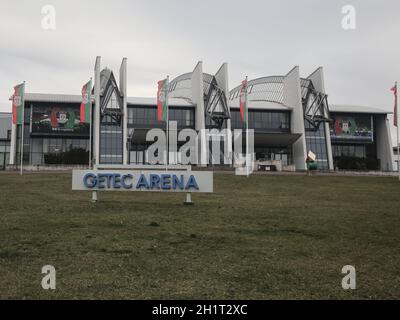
107	180
90	180
100	181
178	182
110	178
117	181
166	181
192	183
142	183
155	181
124	184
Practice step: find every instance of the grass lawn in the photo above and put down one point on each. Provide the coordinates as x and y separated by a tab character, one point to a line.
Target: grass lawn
266	237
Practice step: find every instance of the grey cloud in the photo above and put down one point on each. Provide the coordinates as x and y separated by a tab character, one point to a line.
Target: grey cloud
256	38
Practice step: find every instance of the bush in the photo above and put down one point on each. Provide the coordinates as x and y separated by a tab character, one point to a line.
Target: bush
354	163
74	156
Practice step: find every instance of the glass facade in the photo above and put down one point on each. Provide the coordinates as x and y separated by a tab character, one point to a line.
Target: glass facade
145	117
355	156
111	140
316	142
48	148
267	121
44	150
353	136
4	153
27	144
354	141
185	117
358	151
281	154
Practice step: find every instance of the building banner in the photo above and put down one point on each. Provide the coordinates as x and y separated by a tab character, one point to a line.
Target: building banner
58	120
352	128
140	180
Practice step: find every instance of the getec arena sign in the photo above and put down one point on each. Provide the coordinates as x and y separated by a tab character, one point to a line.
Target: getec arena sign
130	180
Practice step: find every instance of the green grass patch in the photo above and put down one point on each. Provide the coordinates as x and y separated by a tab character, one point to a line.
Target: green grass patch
263	237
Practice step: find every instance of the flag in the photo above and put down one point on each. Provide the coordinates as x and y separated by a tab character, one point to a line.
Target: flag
243	101
86	103
162	100
18	104
394	90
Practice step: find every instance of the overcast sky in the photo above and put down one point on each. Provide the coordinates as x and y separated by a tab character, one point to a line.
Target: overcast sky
256	37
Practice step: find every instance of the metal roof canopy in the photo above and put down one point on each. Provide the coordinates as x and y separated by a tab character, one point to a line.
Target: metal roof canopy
357	109
271	90
108	90
268	139
215	100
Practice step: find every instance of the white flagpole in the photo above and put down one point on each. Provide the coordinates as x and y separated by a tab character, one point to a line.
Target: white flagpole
90	125
398	137
167	123
247	130
22	128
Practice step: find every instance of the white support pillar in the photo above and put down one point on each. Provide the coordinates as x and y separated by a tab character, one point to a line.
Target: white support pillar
188	200
94	196
318	80
198	98
222	80
123	91
13	146
384	143
292	98
96	122
329	146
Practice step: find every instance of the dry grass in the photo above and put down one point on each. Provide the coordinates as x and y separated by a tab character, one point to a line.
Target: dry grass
265	237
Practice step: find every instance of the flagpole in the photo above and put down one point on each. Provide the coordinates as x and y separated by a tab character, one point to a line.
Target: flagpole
167	123
247	131
398	137
22	129
90	125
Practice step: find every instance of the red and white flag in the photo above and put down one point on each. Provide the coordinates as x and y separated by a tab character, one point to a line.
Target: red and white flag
86	103
162	103
394	90
17	104
243	102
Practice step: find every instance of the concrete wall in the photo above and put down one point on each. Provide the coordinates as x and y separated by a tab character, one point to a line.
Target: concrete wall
198	99
384	143
5	124
317	78
292	98
222	79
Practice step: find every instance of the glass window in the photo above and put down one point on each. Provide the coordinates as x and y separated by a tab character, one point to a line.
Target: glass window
111	141
316	142
267	121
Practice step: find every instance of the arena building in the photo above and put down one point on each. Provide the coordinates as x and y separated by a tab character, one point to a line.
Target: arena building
290	116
